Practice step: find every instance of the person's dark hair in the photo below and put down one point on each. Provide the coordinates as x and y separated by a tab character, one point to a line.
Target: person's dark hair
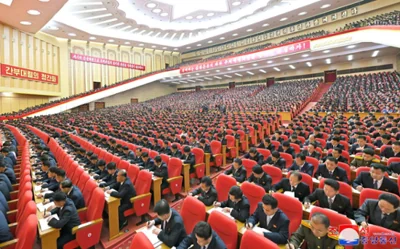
362	137
378	166
66	184
236	192
276	154
186	149
278	132
157	159
139	149
111	166
59	196
267	140
294	136
207	181
253	150
337	139
53	169
101	163
339	150
94	157
60	172
297	174
332	183
162	207
332	159
286	144
301	156
202	141
391	198
269	200
396	143
174	146
145	154
46	163
203	230
320	218
238	161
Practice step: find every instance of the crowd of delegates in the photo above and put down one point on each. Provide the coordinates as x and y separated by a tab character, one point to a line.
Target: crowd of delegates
374	92
255	48
392	18
304	37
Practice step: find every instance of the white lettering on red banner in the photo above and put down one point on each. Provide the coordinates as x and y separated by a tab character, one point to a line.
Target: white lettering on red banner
103	61
27	74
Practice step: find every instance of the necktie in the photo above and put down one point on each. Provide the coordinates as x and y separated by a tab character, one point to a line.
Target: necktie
293	188
330	200
268	220
330	173
384	216
375	184
164	225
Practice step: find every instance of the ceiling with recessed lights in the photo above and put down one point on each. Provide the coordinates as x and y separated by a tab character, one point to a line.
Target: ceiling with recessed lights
179	24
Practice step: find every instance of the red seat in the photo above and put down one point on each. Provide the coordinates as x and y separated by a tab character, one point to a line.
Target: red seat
88	189
216	149
293	209
225	227
193	211
266	153
276	144
108	157
346	167
307	179
345	145
133	172
314	162
200	166
251	240
248	164
140	241
223	185
25	237
175	179
274	172
165	158
393	160
254	194
231	146
392	237
153	154
322	141
296	148
345	189
369	193
83	180
141	202
288	158
123	165
366	169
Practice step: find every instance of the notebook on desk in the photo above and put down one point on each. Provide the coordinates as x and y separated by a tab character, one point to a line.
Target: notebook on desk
219	209
150	235
44	224
42	207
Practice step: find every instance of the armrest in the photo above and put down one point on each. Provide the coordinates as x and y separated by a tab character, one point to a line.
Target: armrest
12	225
85	225
12	202
197	165
139	197
169	180
217	155
82	210
12	211
6	244
234	147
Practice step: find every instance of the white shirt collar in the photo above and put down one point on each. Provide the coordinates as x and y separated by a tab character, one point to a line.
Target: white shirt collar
333	198
170	215
379	182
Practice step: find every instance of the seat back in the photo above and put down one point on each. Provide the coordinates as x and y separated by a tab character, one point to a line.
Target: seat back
266	153
198	155
296	148
254	194
344	189
223	185
293	209
153	154
251	240
307	179
346	167
335	218
274	172
88	189
96	205
83	179
225	228
27	236
248	165
123	165
30	208
133	172
174	167
314	162
288	158
143	182
165	158
140	241
369	193
192	212
392	240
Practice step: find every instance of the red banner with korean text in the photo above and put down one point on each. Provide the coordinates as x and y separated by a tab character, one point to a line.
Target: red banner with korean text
103	61
27	74
256	56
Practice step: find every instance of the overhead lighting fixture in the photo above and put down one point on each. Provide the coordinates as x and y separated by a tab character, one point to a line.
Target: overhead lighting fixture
309	64
292	67
71	34
217	77
238	74
153	46
197	74
235	34
156	10
305	55
44	1
228	76
26	23
188	47
106	21
97	17
269	62
210	14
199	80
127	43
325	6
111	40
182	81
277	69
255	64
189	17
53	28
222	38
207	78
210	42
249	30
151	5
375	53
326	51
350	57
351	46
251	73
92	38
283	19
207	72
198	45
175	49
229	69
237	3
265	25
33	12
217	70
192	81
302	13
328	61
241	67
199	16
286	59
262	71
164	14
143	31
141	44
87	11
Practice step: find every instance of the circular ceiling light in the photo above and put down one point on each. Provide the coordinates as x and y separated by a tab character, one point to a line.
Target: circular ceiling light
283	19
151	5
33	12
302	13
326	51
92	38
153	46
265	24
44	1
229	69
286	59
210	14
351	46
269	62
255	64
189	17
249	30
127	43
164	14
156	10
188	47
198	45
71	34
325	6
53	28
237	3
304	55
222	38
141	44
111	40
199	16
26	23
175	48
235	34
241	67
209	41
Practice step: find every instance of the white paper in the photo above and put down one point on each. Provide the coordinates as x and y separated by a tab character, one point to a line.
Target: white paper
44	224
289	193
38	188
106	195
219	209
150	235
42	207
260	230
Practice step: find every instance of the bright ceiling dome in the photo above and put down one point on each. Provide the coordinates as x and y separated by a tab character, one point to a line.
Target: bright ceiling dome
181	8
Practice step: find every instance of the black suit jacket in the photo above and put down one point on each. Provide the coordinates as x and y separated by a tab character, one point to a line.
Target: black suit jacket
290	151
165	150
341	203
265	181
76	196
11	175
111	181
259	158
307	168
174	231
280	163
354	147
177	153
241	209
394	168
339	174
68	218
125	192
329	146
208	198
161	171
278	225
315	154
388	153
365	180
189	159
371	213
270	147
215	243
239	174
302	189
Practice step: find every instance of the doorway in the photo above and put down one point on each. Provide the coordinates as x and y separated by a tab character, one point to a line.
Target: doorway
96	85
134	101
99	105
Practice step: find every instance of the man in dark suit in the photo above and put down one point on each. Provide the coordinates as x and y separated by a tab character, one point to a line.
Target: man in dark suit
110	181
128	155
276	160
311	152
336	153
334	143
237	204
50	181
5	234
394	169
383	212
165	149
68	218
260	178
123	190
100	171
147	162
172	230
73	193
288	149
266	144
206	193
8	172
375	179
277	137
160	170
360	145
237	171
331	170
175	152
301	164
188	158
329	197
254	155
293	184
391	152
202	237
385	140
271	218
